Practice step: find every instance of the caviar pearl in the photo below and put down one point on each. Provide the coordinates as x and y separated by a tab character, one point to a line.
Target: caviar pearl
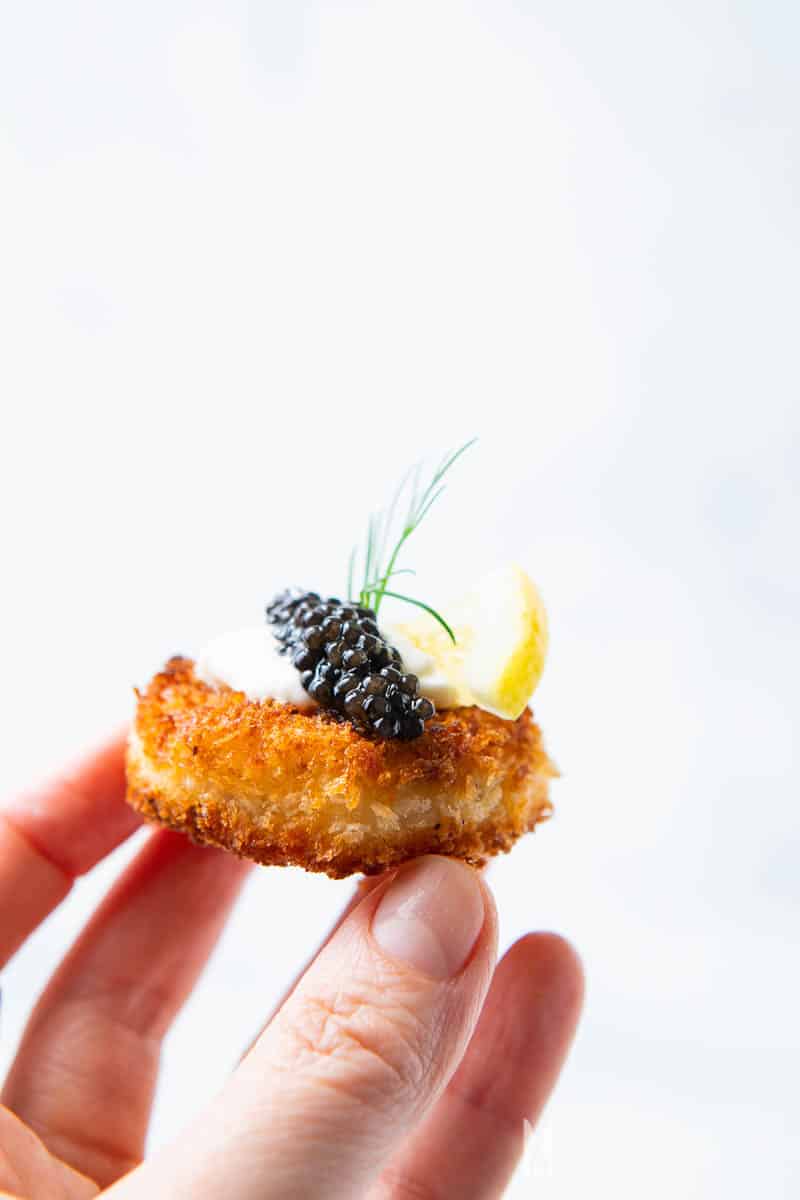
347	666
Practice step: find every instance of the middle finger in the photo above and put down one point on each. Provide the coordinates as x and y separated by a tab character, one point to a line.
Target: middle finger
86	1069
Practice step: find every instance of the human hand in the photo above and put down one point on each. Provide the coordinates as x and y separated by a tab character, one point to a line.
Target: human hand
400	1065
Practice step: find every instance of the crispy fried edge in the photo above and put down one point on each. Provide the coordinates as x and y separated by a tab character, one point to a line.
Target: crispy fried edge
179	716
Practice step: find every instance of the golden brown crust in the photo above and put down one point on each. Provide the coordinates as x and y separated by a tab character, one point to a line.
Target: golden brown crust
284	786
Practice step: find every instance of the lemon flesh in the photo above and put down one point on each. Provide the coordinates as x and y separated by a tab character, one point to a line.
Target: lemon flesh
501	643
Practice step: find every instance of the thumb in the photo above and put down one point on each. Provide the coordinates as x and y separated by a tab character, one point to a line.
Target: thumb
355	1057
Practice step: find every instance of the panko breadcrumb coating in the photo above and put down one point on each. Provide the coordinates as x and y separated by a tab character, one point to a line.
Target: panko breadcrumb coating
286	786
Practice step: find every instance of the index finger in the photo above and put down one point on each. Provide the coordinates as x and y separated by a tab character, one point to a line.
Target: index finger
55	832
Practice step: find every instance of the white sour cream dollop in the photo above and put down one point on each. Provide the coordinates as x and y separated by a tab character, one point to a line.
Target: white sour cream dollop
248	660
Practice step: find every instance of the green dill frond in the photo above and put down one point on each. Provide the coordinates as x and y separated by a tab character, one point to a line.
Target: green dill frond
421	498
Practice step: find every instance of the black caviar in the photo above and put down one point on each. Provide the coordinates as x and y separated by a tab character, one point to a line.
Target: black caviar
347	666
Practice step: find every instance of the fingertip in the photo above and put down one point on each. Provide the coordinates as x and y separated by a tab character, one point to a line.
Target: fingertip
78	814
546	969
435	915
552	949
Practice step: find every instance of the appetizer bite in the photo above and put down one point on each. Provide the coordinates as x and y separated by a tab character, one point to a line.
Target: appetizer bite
338	740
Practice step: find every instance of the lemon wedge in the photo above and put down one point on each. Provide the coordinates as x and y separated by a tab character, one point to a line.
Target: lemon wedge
501	643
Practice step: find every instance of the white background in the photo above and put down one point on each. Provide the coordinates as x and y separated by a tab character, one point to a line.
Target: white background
255	259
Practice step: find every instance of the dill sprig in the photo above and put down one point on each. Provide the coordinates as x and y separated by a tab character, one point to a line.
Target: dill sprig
381	528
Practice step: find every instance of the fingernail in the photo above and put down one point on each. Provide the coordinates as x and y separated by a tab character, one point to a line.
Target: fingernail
430	916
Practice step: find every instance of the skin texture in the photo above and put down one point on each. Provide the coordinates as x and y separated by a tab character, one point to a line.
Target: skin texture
400	1064
283	786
